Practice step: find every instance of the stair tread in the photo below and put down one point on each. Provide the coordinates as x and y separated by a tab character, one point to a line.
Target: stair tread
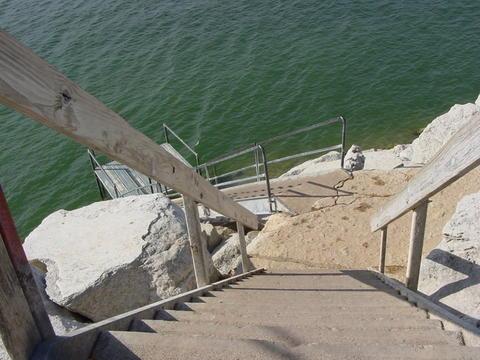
232	308
148	346
321	314
297	335
345	320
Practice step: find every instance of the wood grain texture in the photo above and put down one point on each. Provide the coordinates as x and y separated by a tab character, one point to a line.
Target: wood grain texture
419	219
243	247
195	238
31	86
18	329
457	157
22	268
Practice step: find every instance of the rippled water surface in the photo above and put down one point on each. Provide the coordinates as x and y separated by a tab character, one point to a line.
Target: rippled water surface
227	73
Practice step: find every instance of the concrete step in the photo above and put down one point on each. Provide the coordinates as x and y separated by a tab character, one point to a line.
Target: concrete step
289	335
216	299
235	309
147	346
330	320
357	279
339	297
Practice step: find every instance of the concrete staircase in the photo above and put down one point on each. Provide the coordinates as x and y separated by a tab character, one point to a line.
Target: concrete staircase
317	315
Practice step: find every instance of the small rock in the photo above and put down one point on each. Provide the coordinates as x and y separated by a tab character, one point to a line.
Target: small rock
212	236
354	159
224	231
226	256
477	102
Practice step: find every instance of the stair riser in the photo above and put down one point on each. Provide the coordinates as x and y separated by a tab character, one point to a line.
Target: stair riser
313	320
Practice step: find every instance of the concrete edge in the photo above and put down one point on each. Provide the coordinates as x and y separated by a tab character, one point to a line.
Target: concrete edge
422	301
79	344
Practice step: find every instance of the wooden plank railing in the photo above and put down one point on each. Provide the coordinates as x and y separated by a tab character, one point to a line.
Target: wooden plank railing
31	86
455	159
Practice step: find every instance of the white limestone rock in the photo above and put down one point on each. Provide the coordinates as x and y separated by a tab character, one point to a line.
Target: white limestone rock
451	272
328	162
63	321
354	159
440	130
114	256
227	258
381	160
477	102
211	235
3	353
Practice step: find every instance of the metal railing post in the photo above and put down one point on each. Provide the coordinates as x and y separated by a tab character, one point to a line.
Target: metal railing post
344	135
91	154
267	177
165	133
419	217
257	166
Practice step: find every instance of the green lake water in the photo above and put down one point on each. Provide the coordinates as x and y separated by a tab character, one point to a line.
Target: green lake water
224	74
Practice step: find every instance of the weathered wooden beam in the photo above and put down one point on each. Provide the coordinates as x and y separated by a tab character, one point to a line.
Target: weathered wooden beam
456	158
383	249
419	218
18	329
195	238
17	256
31	86
243	247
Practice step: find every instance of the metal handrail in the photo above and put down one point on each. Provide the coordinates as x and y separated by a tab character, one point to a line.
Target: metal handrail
167	130
245	149
256	149
94	162
259	147
209	169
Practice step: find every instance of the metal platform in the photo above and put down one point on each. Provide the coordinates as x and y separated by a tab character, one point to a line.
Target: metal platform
247	166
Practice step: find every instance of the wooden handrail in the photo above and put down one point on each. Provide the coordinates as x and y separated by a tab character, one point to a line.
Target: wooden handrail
457	157
31	86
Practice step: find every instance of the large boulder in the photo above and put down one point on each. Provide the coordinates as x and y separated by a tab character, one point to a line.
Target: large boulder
113	256
440	130
63	320
451	272
227	258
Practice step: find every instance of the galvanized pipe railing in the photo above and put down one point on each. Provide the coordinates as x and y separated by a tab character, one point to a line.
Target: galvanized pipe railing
167	130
